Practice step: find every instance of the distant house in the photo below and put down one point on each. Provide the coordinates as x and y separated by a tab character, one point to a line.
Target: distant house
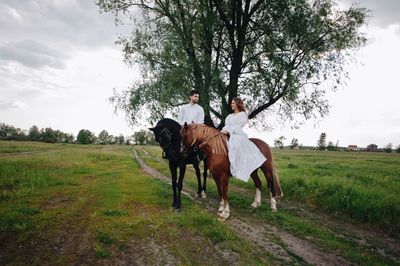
352	148
372	147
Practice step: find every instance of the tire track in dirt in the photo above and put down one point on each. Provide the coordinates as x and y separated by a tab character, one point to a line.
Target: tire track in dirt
266	237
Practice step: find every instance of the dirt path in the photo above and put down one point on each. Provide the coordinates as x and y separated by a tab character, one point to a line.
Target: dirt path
9	154
265	237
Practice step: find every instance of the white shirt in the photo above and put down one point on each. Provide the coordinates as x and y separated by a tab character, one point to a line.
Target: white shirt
191	113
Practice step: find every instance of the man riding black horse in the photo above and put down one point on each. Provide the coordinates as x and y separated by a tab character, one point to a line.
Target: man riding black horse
167	135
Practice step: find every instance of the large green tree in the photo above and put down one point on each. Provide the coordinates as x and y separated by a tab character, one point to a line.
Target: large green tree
104	137
322	141
274	54
85	136
34	133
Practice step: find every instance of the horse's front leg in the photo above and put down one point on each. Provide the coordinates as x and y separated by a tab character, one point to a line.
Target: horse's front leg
196	167
173	169
224	187
270	180
217	179
204	192
182	170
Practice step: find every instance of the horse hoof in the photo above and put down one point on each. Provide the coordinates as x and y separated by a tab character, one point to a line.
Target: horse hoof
274	210
223	216
255	205
203	195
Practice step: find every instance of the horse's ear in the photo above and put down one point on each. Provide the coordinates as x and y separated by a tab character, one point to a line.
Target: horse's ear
185	125
152	128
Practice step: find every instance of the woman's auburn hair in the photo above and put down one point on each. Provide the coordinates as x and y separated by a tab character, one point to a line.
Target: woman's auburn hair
239	104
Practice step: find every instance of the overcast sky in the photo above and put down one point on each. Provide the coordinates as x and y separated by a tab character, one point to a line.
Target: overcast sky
59	64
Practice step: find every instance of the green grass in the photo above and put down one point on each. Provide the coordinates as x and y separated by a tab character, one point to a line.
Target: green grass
362	186
92	204
358	187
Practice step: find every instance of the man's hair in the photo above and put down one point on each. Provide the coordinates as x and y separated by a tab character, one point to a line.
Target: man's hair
193	92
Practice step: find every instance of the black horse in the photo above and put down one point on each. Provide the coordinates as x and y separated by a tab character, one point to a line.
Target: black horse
167	134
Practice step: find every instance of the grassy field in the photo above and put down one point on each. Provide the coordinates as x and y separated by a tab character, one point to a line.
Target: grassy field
74	204
360	185
317	186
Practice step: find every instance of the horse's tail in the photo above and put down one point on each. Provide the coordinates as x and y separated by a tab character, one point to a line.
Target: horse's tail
275	178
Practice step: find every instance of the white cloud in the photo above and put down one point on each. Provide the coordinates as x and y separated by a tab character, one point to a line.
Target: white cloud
383	13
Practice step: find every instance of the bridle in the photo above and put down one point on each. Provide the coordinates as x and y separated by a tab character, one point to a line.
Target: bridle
165	132
185	146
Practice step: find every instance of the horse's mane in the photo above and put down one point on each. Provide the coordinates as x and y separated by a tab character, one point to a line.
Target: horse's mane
214	138
170	123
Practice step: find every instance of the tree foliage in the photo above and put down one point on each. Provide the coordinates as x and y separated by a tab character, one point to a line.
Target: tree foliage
104	137
331	146
389	147
34	134
278	143
120	139
144	137
9	132
85	137
294	144
274	54
322	141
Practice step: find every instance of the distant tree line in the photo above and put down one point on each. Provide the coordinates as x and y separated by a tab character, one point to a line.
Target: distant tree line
49	135
85	136
322	145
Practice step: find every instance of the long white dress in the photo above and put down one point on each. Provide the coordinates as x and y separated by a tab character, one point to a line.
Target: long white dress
244	156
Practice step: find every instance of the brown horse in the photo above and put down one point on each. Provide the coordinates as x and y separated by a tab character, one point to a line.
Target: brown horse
214	145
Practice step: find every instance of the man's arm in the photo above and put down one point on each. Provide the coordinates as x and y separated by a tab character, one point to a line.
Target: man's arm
200	119
180	117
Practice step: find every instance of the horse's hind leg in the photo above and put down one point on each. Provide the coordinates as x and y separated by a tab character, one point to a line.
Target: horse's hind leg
270	180
257	182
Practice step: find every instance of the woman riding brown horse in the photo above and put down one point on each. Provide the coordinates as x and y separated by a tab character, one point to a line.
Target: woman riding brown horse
214	145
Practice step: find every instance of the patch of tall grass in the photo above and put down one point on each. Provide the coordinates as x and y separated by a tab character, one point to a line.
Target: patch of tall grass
363	186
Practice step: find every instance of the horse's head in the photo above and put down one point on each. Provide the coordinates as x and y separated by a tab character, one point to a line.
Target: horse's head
188	135
197	136
162	135
166	133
